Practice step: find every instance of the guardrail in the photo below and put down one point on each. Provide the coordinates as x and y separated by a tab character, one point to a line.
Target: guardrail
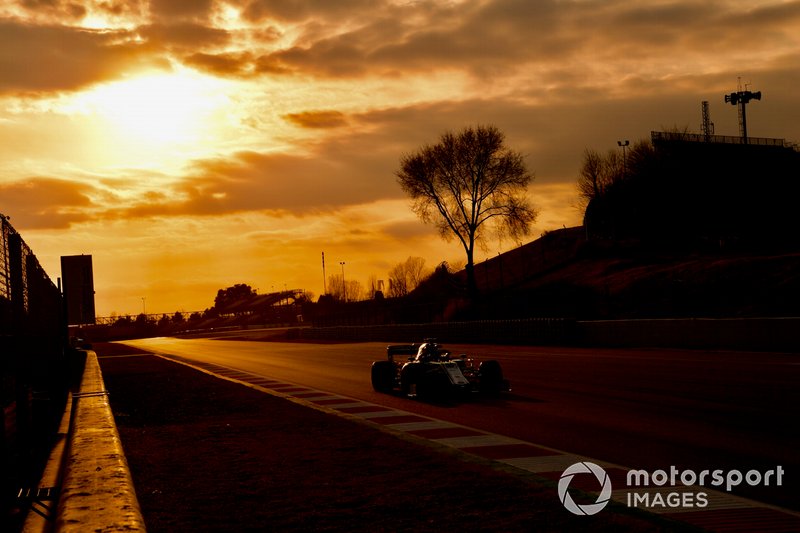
743	334
522	331
750	334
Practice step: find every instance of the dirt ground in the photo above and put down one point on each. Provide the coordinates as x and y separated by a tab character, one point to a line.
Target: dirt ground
210	455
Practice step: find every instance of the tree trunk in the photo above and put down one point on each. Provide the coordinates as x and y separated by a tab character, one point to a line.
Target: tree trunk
472	283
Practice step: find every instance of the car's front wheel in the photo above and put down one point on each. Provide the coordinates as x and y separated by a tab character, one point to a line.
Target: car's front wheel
491	377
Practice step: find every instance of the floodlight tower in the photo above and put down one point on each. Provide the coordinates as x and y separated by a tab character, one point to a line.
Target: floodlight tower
708	126
742	98
624	144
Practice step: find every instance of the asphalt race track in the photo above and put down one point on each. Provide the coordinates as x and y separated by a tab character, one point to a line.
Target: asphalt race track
642	409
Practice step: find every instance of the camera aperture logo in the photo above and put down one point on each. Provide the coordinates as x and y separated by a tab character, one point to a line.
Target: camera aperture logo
584	468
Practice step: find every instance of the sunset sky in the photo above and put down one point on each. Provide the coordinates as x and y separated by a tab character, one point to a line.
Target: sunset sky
189	145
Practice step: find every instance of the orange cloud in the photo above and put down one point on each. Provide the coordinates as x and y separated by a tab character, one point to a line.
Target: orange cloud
52	58
45	203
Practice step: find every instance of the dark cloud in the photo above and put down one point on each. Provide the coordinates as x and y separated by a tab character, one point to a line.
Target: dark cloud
711	29
181	9
258	181
272	65
226	64
62	9
672	15
187	35
333	57
317	119
119	8
504	36
74	10
277	183
474	36
50	58
407	230
45	203
776	16
551	115
358	38
301	10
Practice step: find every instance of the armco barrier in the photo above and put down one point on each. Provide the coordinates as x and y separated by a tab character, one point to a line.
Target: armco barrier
523	331
97	493
756	334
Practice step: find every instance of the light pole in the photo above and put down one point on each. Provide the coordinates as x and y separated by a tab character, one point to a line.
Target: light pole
324	282
144	310
344	287
624	144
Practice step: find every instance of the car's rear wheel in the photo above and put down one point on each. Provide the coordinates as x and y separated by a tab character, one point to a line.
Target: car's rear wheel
382	376
409	378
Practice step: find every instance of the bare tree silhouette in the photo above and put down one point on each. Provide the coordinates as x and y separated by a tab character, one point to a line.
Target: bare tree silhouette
406	276
467	183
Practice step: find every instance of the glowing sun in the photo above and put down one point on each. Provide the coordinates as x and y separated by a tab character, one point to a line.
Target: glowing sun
172	108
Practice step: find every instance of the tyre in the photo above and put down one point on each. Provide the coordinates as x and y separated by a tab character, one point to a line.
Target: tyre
409	378
382	376
491	377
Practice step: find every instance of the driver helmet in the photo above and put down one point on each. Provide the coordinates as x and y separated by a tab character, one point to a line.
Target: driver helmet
427	351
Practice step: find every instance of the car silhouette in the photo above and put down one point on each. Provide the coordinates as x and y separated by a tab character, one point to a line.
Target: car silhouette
430	372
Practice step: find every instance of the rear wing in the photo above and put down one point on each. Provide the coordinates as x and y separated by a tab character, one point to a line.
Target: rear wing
401	349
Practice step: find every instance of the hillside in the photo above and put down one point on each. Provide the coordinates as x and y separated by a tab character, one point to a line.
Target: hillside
563	275
685	229
700	193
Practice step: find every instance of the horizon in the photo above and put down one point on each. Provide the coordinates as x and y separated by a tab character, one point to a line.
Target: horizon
191	146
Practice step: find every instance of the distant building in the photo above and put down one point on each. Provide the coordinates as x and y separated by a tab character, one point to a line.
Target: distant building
78	286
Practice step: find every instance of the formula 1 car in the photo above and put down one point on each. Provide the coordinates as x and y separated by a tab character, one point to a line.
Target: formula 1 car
429	371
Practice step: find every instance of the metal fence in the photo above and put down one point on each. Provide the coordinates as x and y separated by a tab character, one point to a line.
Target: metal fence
668	136
30	303
5	283
33	366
